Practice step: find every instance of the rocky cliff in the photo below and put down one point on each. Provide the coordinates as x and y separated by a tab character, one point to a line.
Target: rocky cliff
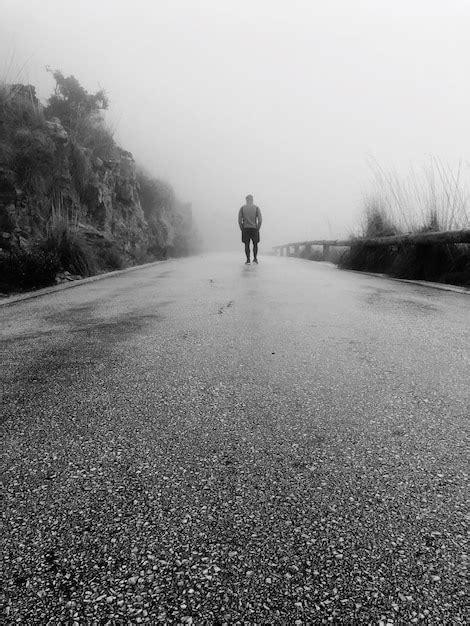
94	185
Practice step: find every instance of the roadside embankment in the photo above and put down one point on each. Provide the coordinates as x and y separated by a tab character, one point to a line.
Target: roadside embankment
436	262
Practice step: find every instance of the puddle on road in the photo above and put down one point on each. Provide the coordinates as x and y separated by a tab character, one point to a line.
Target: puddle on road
118	329
419	306
391	301
89	315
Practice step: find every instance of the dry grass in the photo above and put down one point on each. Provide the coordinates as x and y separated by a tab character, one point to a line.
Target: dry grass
435	197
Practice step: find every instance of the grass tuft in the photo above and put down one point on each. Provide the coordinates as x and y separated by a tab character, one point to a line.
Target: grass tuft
63	239
434	197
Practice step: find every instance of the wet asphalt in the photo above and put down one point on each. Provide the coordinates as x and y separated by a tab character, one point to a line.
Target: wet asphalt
204	442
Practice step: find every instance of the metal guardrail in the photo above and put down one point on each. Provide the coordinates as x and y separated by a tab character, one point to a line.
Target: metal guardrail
446	237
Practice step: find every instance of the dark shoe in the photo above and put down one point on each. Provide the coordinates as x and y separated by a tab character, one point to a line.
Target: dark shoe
255	261
247	262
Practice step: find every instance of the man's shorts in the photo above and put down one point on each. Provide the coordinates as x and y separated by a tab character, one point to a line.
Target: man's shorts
250	234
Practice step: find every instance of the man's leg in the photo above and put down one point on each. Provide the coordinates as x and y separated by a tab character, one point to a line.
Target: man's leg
255	245
246	241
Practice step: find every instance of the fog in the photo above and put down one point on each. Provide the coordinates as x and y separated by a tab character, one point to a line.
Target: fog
285	100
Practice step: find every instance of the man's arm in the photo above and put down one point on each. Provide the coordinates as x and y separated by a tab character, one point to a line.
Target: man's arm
260	217
240	218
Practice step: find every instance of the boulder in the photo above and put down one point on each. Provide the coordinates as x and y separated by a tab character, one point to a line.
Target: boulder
57	131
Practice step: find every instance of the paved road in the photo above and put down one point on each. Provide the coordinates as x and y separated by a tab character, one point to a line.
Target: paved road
208	443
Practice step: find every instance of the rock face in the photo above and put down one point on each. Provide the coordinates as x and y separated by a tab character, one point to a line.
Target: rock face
10	202
44	169
57	131
113	204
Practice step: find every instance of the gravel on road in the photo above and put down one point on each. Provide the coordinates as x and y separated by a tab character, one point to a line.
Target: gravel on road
207	443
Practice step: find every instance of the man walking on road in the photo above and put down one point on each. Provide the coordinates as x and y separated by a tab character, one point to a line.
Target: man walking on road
249	220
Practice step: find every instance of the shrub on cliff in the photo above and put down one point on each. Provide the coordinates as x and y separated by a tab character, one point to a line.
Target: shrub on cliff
81	115
73	105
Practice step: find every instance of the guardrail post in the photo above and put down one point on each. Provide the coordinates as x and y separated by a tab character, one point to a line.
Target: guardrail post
326	252
297	251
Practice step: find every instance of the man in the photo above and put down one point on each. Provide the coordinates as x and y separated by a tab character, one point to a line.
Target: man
249	220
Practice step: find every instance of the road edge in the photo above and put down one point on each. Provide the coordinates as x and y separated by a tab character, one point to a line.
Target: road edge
420	283
73	283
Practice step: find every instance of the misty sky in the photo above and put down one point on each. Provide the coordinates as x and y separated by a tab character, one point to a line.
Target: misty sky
282	99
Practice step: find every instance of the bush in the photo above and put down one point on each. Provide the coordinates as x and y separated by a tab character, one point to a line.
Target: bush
459	272
377	223
28	269
109	257
367	259
63	249
72	104
436	262
421	262
81	115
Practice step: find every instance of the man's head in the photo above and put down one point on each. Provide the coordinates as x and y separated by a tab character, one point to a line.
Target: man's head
249	199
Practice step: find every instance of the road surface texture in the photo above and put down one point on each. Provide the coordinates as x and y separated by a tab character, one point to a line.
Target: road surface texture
204	442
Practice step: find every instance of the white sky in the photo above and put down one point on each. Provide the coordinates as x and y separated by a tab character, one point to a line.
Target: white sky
284	99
